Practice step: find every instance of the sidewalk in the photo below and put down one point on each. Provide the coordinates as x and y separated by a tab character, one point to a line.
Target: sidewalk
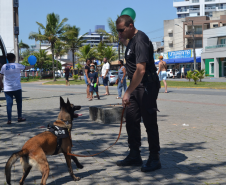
192	137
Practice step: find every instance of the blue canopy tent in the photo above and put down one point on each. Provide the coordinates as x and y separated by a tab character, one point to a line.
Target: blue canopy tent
181	60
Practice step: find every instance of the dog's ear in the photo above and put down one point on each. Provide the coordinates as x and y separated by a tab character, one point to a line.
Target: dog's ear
68	102
62	103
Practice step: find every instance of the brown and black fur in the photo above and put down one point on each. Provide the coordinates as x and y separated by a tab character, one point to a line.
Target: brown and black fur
35	149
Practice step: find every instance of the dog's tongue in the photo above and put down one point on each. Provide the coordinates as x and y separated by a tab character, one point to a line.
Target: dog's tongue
77	115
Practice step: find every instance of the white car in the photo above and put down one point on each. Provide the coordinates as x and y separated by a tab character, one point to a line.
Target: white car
169	73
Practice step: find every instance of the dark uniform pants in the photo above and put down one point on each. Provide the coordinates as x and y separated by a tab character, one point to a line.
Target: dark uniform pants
143	104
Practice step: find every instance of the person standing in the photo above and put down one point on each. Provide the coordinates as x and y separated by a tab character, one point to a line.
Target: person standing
93	81
87	71
12	86
141	95
121	79
173	70
162	72
182	71
66	72
104	72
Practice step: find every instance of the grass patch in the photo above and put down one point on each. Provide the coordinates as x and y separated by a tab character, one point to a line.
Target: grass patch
63	82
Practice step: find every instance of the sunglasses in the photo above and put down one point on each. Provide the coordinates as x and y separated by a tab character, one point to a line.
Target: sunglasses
121	30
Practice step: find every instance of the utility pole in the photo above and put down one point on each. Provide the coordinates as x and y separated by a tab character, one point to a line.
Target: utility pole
193	36
16	28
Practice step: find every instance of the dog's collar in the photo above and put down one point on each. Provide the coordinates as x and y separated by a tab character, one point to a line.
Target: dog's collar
66	121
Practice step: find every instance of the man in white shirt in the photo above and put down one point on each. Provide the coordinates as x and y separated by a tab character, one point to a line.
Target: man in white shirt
12	85
104	73
182	71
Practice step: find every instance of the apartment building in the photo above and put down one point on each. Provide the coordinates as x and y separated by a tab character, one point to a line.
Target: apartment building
7	24
214	52
193	8
178	33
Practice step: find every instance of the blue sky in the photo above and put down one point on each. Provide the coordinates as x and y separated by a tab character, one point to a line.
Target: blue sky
85	14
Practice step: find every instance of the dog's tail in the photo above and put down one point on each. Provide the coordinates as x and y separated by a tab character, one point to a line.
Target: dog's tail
11	161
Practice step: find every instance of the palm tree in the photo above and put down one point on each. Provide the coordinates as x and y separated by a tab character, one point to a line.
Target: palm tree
22	46
110	53
85	52
100	49
113	37
42	57
72	41
52	31
59	51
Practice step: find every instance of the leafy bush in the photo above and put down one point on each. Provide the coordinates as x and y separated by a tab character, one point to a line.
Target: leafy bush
189	75
75	77
195	76
201	74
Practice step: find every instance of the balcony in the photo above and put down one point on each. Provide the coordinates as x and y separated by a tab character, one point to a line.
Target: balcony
195	1
182	10
196	32
209	0
216	46
196	46
194	10
210	9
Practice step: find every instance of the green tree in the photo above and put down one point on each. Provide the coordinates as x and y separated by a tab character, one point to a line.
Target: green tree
22	46
72	41
189	75
201	74
42	58
110	53
113	37
86	52
195	76
59	50
52	31
100	51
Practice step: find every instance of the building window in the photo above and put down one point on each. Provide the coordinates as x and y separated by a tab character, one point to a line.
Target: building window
215	25
223	41
211	70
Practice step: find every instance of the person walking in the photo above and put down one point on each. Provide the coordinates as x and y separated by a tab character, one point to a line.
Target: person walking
87	71
104	72
173	70
162	72
93	81
66	72
182	71
121	79
12	86
141	95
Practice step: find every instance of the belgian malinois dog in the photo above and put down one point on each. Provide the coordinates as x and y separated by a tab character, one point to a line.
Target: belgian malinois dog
35	149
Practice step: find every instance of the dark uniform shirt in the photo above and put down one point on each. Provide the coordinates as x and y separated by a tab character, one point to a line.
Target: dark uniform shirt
138	50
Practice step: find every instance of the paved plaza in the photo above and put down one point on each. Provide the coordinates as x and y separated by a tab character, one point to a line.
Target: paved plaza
192	131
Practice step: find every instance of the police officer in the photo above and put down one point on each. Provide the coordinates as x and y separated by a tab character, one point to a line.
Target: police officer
140	97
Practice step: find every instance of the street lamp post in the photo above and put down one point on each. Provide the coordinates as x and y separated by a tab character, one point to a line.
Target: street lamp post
16	28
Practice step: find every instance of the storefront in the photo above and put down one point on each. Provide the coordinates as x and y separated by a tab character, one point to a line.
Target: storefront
210	65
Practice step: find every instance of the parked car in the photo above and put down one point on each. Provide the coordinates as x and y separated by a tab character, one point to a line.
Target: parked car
112	77
57	74
185	73
169	73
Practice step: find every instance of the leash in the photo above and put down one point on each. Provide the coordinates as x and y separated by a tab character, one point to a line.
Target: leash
120	129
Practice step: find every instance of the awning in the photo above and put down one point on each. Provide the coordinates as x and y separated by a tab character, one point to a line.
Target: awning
181	60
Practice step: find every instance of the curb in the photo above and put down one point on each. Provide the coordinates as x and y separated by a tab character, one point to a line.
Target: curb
180	87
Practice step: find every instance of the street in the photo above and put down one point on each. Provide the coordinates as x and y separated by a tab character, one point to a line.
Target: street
191	127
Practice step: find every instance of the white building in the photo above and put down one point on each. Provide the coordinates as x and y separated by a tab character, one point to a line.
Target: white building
193	8
214	52
6	24
156	45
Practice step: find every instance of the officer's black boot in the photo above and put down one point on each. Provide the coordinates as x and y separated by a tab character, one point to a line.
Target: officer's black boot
152	164
133	159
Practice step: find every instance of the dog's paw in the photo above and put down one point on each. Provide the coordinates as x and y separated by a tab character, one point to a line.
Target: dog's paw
80	166
76	178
